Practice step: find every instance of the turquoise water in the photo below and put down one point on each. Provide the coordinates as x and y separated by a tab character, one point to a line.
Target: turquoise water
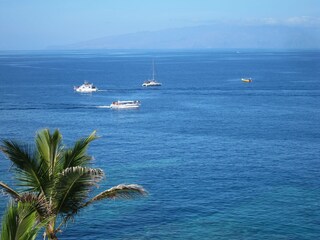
221	159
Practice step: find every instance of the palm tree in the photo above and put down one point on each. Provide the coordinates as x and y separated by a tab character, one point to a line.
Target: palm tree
60	179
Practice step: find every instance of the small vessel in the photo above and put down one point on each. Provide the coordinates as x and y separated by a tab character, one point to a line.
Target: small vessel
125	104
85	88
246	80
151	82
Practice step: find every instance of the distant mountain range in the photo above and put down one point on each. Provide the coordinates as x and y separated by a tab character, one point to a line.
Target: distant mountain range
210	36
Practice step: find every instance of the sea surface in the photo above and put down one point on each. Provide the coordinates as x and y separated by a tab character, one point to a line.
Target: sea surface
221	159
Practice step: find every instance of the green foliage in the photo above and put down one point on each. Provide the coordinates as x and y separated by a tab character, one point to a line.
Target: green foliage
57	181
20	222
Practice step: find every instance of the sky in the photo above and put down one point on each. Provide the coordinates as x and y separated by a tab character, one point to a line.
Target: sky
37	24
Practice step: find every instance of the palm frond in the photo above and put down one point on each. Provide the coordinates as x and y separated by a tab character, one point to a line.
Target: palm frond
9	223
43	147
30	174
20	222
18	153
49	148
77	156
121	191
10	191
38	202
73	186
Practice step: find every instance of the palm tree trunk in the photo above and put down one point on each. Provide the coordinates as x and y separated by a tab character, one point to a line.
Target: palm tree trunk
51	233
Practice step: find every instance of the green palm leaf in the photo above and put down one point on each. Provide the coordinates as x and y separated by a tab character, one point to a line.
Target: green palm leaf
77	155
20	223
73	187
121	191
49	148
10	191
30	174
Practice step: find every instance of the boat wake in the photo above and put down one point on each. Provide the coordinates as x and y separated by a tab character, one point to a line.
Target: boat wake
103	106
52	107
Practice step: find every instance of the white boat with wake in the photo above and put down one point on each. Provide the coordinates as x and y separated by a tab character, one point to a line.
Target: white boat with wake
151	82
85	88
125	104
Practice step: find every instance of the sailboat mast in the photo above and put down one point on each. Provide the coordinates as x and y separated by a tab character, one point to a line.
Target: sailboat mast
152	69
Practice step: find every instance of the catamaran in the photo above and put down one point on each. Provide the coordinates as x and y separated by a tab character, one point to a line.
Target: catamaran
85	88
151	82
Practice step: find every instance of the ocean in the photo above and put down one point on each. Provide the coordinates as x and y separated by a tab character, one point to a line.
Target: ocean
221	159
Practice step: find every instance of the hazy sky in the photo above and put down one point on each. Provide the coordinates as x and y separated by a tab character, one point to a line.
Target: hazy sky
36	24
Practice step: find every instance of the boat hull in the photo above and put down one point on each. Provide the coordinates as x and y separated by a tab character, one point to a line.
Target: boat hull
246	80
151	84
86	91
125	105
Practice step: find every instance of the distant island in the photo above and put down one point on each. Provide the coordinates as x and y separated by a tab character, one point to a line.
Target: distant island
210	36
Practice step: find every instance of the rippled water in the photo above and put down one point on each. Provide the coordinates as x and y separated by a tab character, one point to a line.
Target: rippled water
221	159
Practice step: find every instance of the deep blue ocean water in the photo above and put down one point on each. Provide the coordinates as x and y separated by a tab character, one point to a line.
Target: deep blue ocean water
221	159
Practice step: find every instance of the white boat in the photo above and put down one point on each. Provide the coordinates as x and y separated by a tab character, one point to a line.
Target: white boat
246	80
125	104
151	82
85	88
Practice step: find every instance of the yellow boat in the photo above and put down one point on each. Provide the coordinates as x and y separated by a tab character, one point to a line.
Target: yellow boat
246	80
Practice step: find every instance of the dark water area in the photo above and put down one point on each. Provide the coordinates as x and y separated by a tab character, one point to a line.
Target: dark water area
221	159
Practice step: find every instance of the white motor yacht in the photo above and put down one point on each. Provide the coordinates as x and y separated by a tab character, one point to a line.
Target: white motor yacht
125	104
85	88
